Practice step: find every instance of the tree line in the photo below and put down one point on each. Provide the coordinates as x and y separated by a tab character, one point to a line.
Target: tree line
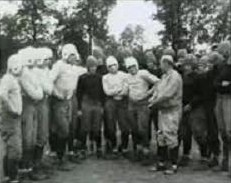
84	23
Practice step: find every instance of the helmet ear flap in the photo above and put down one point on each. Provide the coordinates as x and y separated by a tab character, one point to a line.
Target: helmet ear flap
14	65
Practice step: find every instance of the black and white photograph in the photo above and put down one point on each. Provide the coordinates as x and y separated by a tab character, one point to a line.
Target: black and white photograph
115	91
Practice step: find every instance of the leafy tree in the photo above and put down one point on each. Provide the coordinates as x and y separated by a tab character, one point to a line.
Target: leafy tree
30	21
8	46
189	21
132	40
207	20
28	26
111	46
222	23
132	36
86	22
92	15
69	30
80	23
127	36
169	14
9	27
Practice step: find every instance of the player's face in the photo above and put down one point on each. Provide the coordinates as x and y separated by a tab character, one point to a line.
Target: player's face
113	68
16	69
92	69
132	70
72	59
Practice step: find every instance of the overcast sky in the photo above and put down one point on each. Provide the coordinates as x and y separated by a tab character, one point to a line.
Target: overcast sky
125	12
135	12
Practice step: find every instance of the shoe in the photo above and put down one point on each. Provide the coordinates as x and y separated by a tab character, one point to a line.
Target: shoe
82	155
225	165
203	165
115	151
24	173
172	170
5	179
75	160
115	154
120	149
146	162
135	157
71	153
25	170
13	180
108	147
46	165
139	148
37	176
139	156
220	168
134	147
51	154
158	167
145	151
184	161
99	153
214	162
139	153
91	148
229	174
63	166
217	168
72	157
125	153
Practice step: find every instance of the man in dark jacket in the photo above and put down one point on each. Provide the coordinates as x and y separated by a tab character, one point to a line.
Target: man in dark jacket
223	111
185	132
90	97
153	68
222	84
202	117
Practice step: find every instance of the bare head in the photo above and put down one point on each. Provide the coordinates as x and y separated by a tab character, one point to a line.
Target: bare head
91	64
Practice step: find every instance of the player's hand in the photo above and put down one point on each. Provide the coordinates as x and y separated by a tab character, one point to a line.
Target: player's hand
151	102
225	83
119	92
187	108
79	113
